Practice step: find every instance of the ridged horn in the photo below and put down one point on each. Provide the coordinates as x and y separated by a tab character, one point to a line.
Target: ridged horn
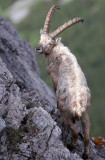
48	19
65	26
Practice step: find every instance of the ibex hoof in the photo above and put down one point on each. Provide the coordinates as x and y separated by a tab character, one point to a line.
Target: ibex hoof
85	155
71	146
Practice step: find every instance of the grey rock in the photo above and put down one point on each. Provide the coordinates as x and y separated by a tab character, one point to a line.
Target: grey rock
31	127
20	60
2	124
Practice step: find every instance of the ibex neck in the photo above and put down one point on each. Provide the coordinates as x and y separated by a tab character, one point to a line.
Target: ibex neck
59	50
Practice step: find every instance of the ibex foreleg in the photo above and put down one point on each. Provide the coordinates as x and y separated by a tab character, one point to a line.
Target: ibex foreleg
68	122
86	128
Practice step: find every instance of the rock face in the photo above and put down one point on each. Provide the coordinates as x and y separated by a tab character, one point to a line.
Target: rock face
30	124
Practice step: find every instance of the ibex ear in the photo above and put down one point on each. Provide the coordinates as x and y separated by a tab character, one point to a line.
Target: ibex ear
58	40
41	31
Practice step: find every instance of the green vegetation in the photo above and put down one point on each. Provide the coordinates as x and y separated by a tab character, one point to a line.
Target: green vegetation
30	105
6	4
85	40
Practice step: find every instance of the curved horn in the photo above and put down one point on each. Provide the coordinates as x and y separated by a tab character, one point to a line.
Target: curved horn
65	26
48	18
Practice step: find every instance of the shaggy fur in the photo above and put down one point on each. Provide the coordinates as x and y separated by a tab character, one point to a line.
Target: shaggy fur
69	80
72	92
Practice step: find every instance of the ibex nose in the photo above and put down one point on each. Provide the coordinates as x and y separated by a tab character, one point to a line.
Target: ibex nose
38	49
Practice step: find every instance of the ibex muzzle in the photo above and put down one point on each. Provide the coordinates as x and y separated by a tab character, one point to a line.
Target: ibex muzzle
38	49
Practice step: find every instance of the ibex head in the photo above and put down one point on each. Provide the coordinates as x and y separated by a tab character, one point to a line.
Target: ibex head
47	40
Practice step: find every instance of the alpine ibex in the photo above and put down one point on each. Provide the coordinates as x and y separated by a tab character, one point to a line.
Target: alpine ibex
69	83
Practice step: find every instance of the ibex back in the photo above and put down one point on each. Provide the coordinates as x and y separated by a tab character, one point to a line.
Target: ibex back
72	92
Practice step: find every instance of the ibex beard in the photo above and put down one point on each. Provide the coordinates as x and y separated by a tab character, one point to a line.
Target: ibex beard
69	83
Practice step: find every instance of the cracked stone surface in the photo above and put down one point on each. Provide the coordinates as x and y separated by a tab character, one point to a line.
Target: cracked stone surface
31	127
